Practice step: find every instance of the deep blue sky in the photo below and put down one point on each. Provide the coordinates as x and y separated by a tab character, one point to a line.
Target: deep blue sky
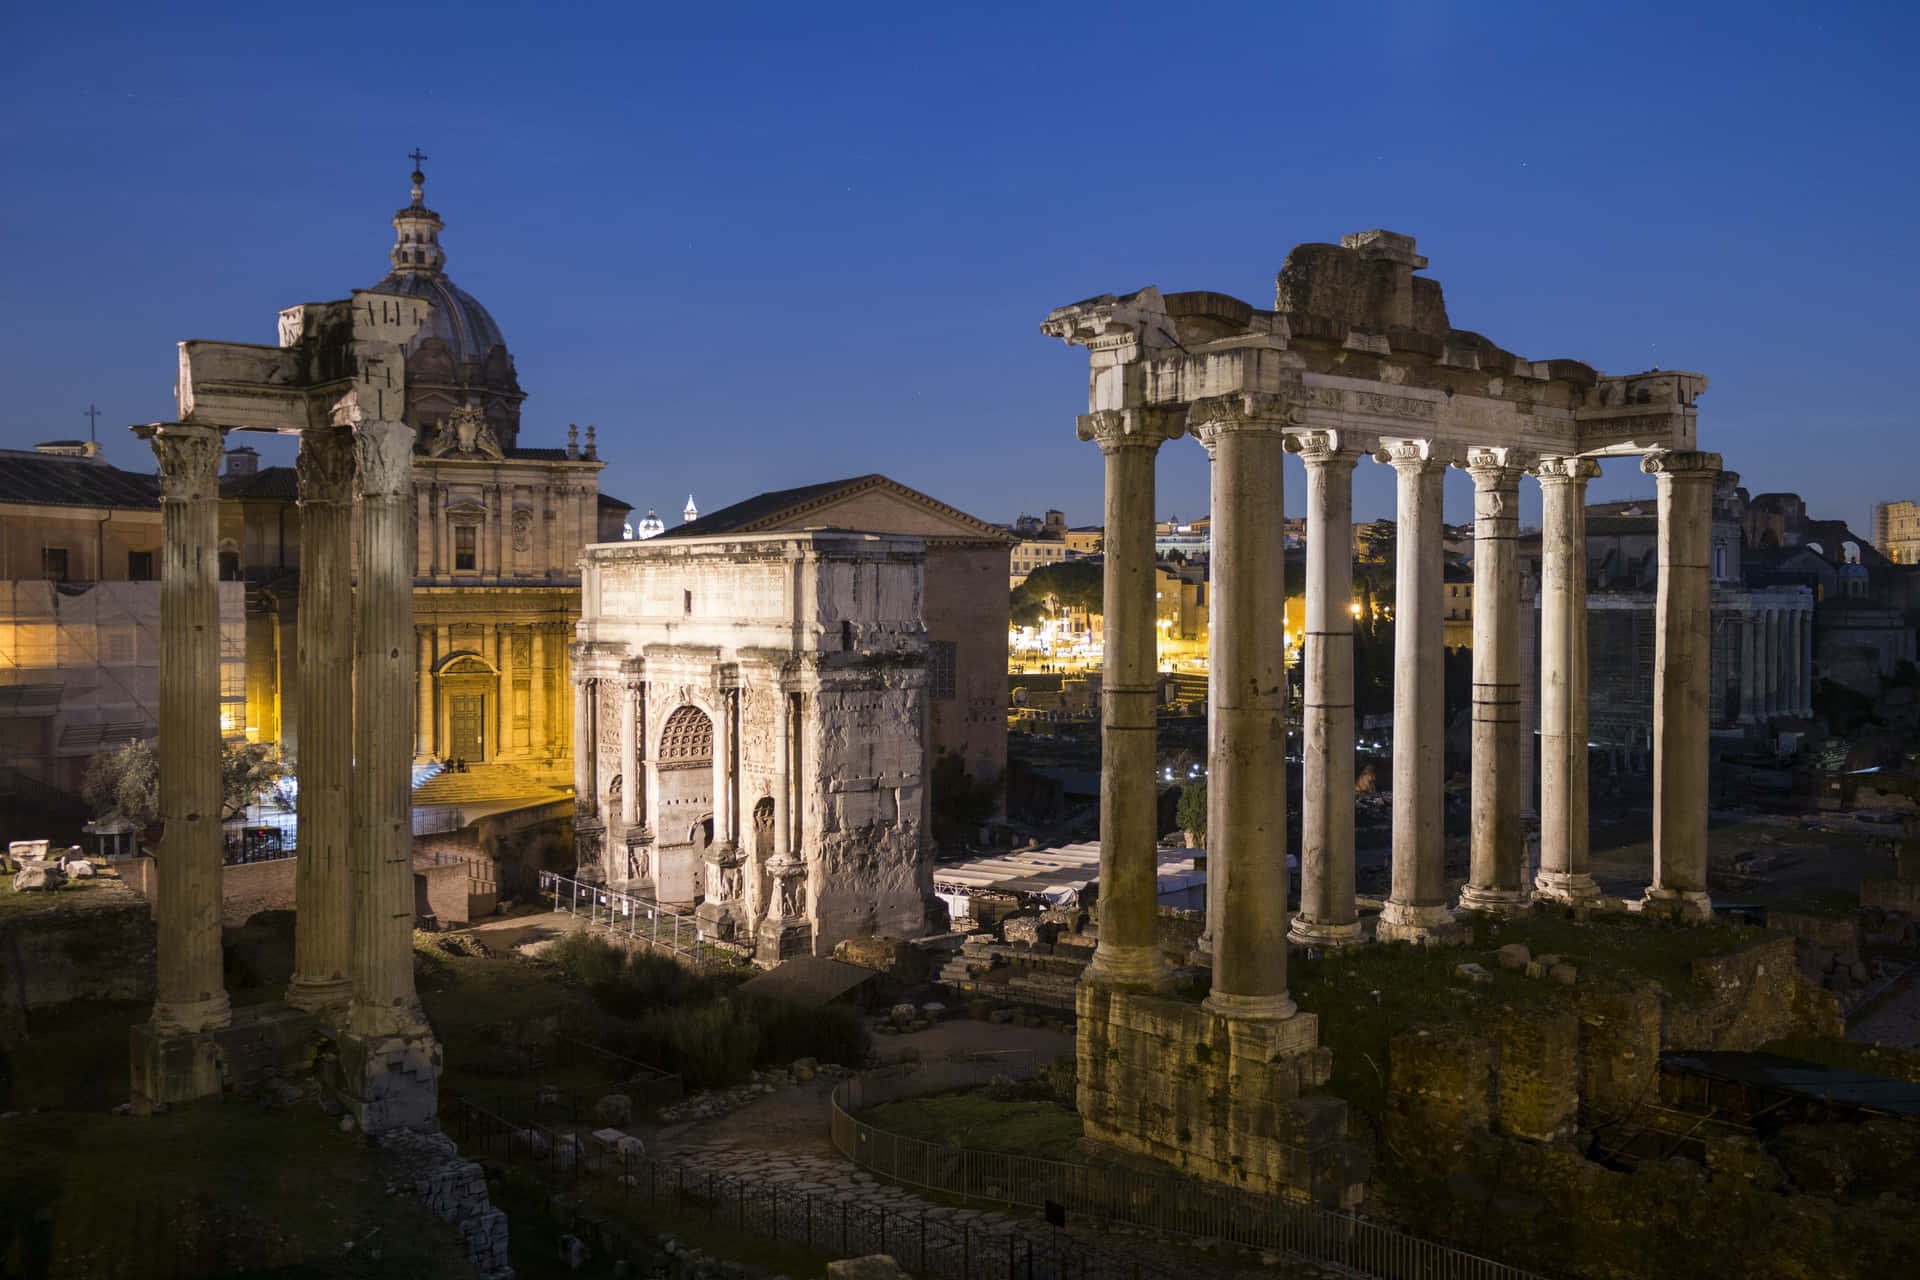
765	245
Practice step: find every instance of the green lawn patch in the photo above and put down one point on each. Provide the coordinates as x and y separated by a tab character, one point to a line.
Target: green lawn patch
976	1120
13	903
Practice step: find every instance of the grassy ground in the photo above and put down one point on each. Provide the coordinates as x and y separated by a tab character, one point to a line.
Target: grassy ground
1365	995
21	904
207	1190
972	1119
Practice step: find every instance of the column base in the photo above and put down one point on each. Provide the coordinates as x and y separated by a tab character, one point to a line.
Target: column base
169	1067
373	1021
1572	887
184	1017
1504	902
778	939
390	1082
1120	968
330	996
1325	934
1404	922
1269	1008
719	919
1677	904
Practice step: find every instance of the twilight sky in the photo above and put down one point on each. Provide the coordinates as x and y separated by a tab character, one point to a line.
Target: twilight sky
767	245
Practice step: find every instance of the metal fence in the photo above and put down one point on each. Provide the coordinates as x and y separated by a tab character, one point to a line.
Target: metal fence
929	1242
657	925
1174	1206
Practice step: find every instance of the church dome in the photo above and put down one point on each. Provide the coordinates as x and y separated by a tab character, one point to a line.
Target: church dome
459	358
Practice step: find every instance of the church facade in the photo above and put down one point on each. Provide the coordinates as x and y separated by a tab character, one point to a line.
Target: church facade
500	527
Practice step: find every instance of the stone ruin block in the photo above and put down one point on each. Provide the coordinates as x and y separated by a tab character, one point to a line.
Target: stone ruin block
390	1082
1439	1088
1537	1094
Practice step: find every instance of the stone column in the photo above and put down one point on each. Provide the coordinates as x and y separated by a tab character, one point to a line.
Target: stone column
586	791
1563	875
424	747
1417	908
1247	748
1747	714
629	757
323	896
537	696
1681	664
503	698
1129	951
190	994
423	502
1498	880
1796	647
1806	640
723	771
1328	916
384	1002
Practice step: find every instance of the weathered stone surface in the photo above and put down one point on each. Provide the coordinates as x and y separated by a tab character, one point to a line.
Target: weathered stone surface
38	877
1564	974
1472	972
1514	955
1537	1086
614	1109
1439	1089
876	1266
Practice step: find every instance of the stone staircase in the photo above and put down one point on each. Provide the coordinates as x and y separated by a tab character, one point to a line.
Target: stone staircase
480	783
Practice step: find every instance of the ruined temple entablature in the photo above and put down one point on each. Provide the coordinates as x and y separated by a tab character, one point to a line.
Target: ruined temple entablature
1365	347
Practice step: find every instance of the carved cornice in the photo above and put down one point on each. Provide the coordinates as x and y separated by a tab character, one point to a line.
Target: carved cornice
325	466
384	452
1141	428
1565	470
189	456
1681	464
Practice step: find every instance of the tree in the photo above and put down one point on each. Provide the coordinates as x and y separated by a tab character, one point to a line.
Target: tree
127	780
1190	815
1074	583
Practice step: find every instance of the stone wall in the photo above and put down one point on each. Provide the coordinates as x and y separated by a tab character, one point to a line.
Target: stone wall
94	944
1224	1100
245	890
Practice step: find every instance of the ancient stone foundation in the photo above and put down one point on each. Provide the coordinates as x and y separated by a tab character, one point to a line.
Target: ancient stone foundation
260	1042
1223	1098
390	1082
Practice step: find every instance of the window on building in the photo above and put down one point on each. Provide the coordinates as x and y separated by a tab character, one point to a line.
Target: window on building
229	566
466	544
940	659
139	566
53	564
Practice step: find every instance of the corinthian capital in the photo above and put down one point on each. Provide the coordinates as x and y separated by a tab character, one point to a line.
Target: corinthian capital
1681	463
1141	428
1331	448
189	455
384	453
325	466
1495	468
1565	470
1254	411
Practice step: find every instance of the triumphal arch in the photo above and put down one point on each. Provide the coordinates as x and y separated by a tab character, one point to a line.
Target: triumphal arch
1355	360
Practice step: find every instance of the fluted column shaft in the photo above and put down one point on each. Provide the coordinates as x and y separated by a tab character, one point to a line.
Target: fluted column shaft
1128	954
384	1001
537	740
423	644
1417	907
1328	916
722	772
630	785
782	783
323	901
190	994
1247	748
1681	665
1563	681
1806	640
1498	879
1746	668
586	784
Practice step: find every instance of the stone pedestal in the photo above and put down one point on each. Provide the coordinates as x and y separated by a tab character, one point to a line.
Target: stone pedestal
1129	952
722	913
1681	663
259	1042
390	1082
1498	880
1417	910
1227	1099
1328	916
190	995
1247	750
1563	875
323	936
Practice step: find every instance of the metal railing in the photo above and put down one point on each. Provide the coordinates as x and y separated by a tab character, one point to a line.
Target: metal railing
657	925
1175	1207
929	1242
